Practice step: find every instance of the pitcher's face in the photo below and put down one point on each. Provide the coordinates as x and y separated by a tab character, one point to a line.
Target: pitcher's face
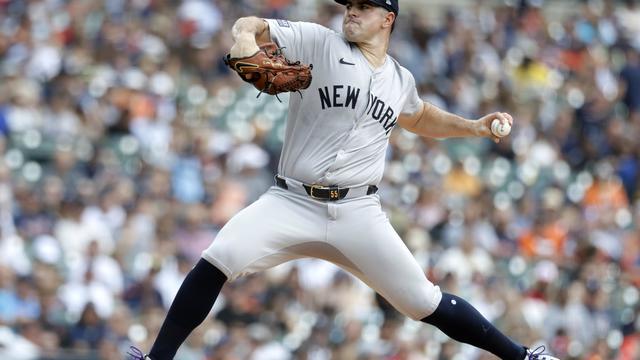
362	20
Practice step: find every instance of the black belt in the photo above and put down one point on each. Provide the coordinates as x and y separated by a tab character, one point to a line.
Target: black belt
326	193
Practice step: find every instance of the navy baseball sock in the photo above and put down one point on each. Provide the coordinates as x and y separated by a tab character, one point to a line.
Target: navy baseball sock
191	306
462	322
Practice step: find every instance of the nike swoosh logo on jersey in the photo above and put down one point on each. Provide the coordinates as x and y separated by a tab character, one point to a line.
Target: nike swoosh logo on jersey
345	62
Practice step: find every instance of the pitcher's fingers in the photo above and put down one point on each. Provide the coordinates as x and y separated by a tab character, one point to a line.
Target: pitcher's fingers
503	119
509	118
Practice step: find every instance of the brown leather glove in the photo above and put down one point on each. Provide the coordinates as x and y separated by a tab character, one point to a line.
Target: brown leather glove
270	72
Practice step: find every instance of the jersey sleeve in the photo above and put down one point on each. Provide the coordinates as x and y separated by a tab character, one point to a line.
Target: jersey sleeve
413	102
303	41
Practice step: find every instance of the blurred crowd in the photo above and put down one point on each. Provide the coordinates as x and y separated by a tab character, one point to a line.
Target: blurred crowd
126	145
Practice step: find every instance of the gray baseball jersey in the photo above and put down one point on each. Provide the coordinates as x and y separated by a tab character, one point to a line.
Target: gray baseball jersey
337	132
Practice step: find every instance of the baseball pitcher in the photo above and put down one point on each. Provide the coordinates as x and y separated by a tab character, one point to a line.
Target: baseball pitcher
323	203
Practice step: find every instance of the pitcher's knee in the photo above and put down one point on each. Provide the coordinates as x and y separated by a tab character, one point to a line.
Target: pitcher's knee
228	259
236	262
420	302
215	261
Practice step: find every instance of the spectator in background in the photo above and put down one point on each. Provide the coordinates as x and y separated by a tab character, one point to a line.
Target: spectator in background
90	330
143	294
630	76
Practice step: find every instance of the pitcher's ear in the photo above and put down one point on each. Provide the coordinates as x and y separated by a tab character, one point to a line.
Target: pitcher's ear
389	19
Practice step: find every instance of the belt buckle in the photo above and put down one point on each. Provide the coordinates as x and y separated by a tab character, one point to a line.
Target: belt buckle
334	192
315	186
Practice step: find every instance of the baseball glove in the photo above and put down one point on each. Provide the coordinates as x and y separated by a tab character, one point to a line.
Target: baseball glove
270	72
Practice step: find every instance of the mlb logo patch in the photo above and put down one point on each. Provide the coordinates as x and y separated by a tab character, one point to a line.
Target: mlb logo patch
283	23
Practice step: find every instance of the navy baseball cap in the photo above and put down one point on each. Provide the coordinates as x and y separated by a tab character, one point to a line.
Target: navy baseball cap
391	5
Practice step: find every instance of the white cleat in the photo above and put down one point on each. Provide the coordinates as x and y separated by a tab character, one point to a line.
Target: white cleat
538	354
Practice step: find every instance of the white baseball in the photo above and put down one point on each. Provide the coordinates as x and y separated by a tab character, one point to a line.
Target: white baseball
499	129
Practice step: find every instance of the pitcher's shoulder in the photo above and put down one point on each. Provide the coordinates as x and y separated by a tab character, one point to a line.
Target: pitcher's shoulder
404	73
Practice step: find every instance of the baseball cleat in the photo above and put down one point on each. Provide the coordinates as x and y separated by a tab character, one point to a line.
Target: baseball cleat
136	354
538	354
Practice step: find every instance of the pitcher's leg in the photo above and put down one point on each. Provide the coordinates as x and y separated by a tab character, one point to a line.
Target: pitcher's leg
255	239
189	308
363	234
462	322
259	236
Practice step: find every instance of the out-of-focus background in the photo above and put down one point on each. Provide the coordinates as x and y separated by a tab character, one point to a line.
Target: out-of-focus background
126	145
